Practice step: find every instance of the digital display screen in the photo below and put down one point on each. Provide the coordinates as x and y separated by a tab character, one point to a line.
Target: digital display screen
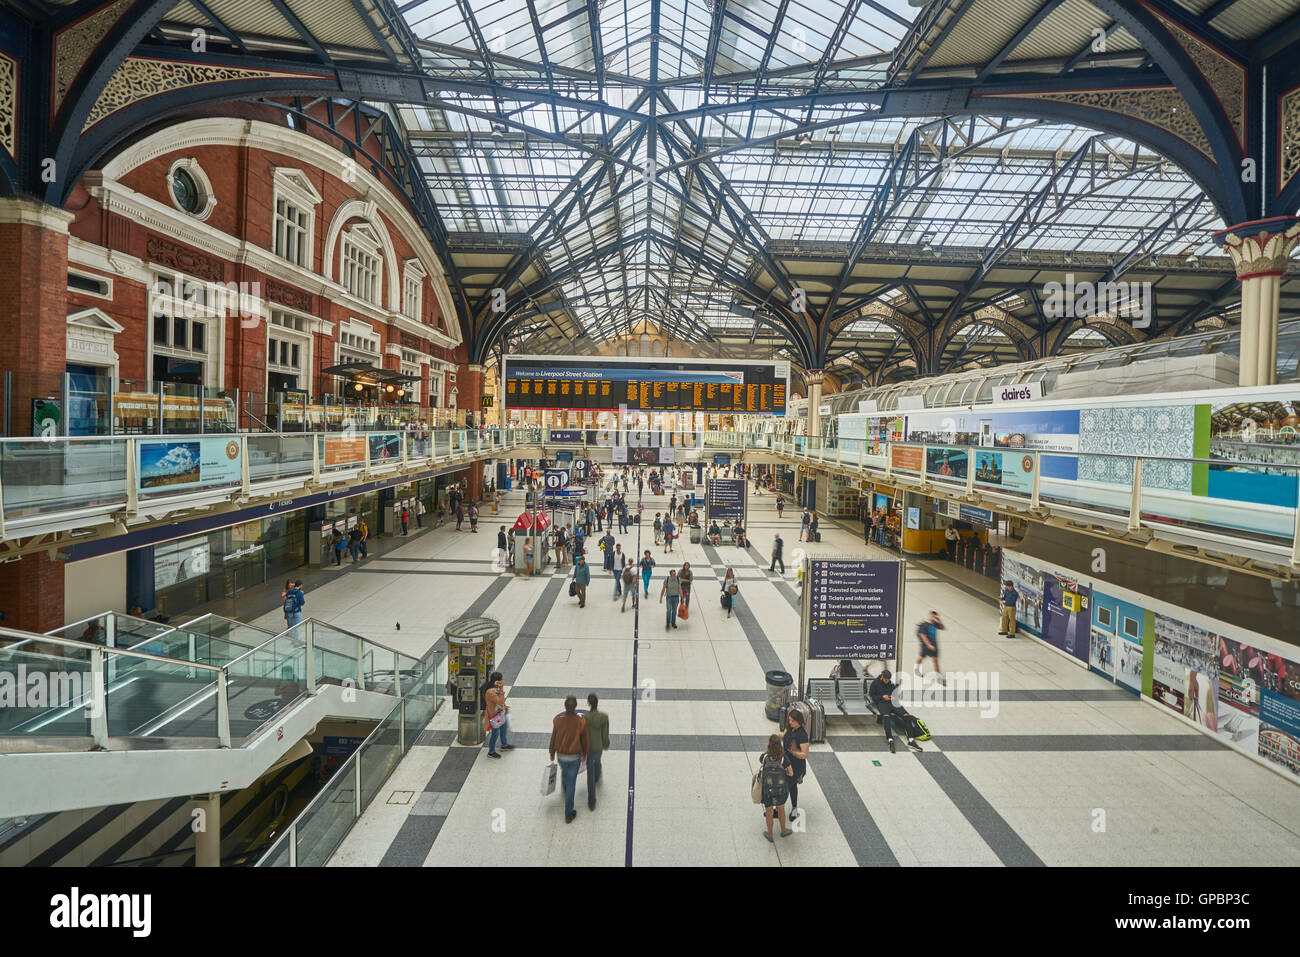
724	387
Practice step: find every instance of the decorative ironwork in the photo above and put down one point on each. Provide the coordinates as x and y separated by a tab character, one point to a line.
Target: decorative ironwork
1288	133
288	296
9	104
1161	106
139	78
75	44
182	258
1225	77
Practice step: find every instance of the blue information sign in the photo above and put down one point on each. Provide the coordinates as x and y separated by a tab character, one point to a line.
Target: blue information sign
853	608
725	500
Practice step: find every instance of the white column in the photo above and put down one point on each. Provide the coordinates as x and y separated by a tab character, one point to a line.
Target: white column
1260	252
207	830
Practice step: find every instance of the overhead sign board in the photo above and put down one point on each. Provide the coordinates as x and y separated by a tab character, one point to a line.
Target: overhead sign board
669	385
725	500
852	609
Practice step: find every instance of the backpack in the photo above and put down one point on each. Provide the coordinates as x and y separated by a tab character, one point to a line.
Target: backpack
775	781
628	576
291	602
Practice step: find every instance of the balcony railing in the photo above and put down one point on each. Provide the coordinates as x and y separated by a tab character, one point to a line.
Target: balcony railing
88	479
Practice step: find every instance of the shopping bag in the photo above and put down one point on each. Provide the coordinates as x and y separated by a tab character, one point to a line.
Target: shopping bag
548	778
682	612
756	787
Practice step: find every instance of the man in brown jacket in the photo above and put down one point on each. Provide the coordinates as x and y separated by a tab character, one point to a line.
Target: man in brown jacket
570	742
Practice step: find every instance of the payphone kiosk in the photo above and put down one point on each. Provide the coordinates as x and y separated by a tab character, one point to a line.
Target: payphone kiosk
471	656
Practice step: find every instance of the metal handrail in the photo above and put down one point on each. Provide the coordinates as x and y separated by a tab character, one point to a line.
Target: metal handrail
104	649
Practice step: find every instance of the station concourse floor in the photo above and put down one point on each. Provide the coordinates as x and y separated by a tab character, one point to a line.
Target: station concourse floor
1070	770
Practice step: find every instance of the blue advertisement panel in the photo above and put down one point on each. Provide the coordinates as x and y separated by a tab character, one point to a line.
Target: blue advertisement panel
1279	730
384	446
177	464
853	609
725	500
1013	471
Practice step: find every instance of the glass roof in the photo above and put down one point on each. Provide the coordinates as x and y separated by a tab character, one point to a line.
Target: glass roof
630	156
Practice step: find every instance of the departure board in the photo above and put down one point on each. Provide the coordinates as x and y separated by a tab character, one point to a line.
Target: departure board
683	385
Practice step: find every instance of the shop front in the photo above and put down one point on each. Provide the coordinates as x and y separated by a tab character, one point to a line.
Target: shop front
217	565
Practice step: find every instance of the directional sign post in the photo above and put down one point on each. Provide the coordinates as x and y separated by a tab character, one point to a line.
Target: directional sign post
554	480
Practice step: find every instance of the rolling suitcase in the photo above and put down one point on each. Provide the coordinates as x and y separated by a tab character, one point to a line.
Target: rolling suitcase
817	724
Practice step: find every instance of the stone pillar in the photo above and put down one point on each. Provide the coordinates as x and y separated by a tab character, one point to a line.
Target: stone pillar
470	378
1260	251
814	379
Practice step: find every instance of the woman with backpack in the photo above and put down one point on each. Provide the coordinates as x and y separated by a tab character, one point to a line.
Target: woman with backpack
775	773
339	543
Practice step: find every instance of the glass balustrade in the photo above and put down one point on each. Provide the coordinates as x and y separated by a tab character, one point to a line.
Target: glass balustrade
319	830
39	476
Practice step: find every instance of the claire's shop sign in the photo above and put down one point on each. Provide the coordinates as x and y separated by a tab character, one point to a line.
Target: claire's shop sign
1025	392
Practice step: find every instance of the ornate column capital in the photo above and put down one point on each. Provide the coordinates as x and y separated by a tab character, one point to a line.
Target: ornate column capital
813	376
1261	247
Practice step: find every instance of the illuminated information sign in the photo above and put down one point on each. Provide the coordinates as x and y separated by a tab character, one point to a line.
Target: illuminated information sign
720	386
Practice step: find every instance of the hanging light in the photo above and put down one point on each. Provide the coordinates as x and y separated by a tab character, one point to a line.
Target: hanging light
388	388
357	387
401	392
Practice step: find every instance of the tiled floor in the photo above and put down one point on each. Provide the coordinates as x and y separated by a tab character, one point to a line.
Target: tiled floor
1061	768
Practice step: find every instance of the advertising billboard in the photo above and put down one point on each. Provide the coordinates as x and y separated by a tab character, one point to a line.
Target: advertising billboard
180	464
343	450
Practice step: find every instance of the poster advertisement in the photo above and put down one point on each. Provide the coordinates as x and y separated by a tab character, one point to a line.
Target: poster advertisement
384	446
176	465
1011	471
1185	670
641	455
343	450
906	458
725	500
1101	652
1067	615
853	609
179	561
1279	730
1128	663
946	463
914	518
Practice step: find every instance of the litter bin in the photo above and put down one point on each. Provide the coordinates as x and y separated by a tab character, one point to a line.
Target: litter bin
471	656
779	684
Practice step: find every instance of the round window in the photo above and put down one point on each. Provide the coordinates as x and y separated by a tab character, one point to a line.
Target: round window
186	191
